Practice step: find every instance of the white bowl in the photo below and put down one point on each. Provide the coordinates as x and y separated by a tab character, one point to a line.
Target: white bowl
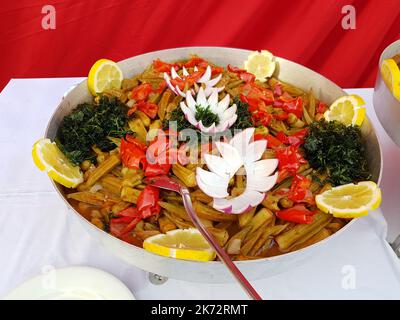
214	272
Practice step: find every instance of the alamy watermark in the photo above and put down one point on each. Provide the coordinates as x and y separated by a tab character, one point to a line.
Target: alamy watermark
49	18
349	18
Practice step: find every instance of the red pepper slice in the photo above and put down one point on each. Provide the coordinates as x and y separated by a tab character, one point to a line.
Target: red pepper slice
141	92
216	70
129	212
135	141
132	153
256	93
235	69
161	66
321	108
192	62
260	118
156	169
148	108
243	74
290	105
300	190
273	142
277	89
282	116
296	139
247	77
126	221
147	202
298	214
289	159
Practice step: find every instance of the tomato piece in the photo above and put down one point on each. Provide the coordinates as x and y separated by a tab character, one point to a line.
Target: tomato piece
289	159
298	214
243	74
300	190
161	66
277	89
282	116
156	169
272	142
141	92
126	221
321	108
135	141
147	202
129	212
296	139
192	62
290	105
254	92
148	108
132	155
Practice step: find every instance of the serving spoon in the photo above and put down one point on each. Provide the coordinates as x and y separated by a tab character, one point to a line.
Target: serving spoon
167	183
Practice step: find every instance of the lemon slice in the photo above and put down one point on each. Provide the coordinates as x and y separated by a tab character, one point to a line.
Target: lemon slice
350	200
391	75
347	109
187	244
47	156
261	64
104	74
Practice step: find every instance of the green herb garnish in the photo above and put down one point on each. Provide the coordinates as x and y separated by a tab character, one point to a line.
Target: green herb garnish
336	149
91	124
243	120
206	116
178	116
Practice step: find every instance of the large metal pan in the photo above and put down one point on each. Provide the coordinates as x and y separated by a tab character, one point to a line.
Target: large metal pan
213	272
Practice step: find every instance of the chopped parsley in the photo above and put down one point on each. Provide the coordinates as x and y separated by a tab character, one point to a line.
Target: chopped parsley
337	150
91	124
206	116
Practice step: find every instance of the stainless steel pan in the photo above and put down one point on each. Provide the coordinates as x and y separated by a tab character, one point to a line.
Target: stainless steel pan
214	272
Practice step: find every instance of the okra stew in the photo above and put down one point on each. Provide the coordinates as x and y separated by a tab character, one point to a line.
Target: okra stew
249	151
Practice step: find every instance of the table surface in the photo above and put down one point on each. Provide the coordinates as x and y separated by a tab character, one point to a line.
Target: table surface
39	233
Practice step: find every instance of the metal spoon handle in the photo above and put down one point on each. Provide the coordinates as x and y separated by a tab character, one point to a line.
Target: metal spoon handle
247	287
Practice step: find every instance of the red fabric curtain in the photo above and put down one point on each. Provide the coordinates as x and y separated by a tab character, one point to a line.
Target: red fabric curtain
308	32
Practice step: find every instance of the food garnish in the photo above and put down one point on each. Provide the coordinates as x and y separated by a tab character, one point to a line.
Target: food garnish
104	74
239	152
48	157
391	75
267	174
223	115
180	84
349	110
91	124
261	64
350	200
337	150
187	244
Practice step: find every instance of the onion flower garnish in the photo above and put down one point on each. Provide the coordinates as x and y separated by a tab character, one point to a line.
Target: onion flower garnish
209	115
239	153
205	79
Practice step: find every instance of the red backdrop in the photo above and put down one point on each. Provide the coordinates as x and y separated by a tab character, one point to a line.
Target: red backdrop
308	32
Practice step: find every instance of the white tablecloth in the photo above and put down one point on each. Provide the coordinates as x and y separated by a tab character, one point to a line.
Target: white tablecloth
37	232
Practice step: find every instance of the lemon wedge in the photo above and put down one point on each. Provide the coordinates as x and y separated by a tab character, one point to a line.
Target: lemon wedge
391	75
104	74
347	109
261	64
350	200
48	157
187	244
